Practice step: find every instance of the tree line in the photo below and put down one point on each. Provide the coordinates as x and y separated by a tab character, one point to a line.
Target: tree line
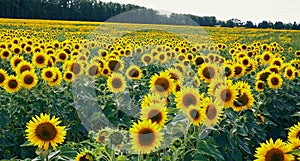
96	10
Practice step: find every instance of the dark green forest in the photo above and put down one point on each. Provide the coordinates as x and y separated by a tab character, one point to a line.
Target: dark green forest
93	10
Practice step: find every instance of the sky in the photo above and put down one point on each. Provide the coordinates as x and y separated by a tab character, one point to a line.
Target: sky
253	10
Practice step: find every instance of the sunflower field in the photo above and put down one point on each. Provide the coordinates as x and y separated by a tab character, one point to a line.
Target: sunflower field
108	91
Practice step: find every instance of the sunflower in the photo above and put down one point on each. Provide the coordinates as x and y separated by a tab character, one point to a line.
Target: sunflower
199	60
145	136
3	77
44	132
228	70
12	84
28	79
156	112
294	144
15	61
259	85
226	94
147	59
277	61
105	71
85	155
244	97
266	57
48	74
239	70
215	83
294	132
274	81
175	74
76	68
161	84
115	64
93	70
196	115
5	54
58	77
116	83
40	60
263	75
68	76
24	66
134	72
62	56
186	97
289	72
213	113
273	151
207	72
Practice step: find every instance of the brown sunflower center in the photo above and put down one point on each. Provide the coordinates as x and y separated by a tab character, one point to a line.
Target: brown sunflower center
162	84
28	79
146	136
76	68
264	76
275	81
199	61
49	74
93	70
116	83
5	53
211	112
114	65
134	73
267	57
46	131
17	61
12	84
189	99
194	113
147	59
260	85
238	70
86	157
105	71
275	155
62	56
155	116
24	68
69	76
241	101
226	95
289	73
2	78
208	72
40	59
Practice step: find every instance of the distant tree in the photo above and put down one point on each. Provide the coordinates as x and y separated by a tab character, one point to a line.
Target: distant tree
249	24
279	25
263	24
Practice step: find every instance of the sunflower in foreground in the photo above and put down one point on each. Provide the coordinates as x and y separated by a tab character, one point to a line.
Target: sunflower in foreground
207	72
274	81
273	151
156	112
294	132
186	97
3	76
213	113
145	136
44	132
85	155
196	115
12	84
116	83
161	84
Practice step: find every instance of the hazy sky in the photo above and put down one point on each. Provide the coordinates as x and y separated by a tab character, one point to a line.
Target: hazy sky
254	10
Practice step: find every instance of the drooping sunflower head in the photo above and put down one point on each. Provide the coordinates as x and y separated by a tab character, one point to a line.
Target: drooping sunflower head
196	115
156	112
273	151
145	136
116	83
186	97
43	131
161	84
134	72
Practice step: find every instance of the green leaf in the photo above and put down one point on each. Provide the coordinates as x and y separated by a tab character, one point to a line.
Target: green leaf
209	148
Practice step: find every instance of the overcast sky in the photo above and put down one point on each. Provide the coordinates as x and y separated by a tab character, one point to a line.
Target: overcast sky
253	10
